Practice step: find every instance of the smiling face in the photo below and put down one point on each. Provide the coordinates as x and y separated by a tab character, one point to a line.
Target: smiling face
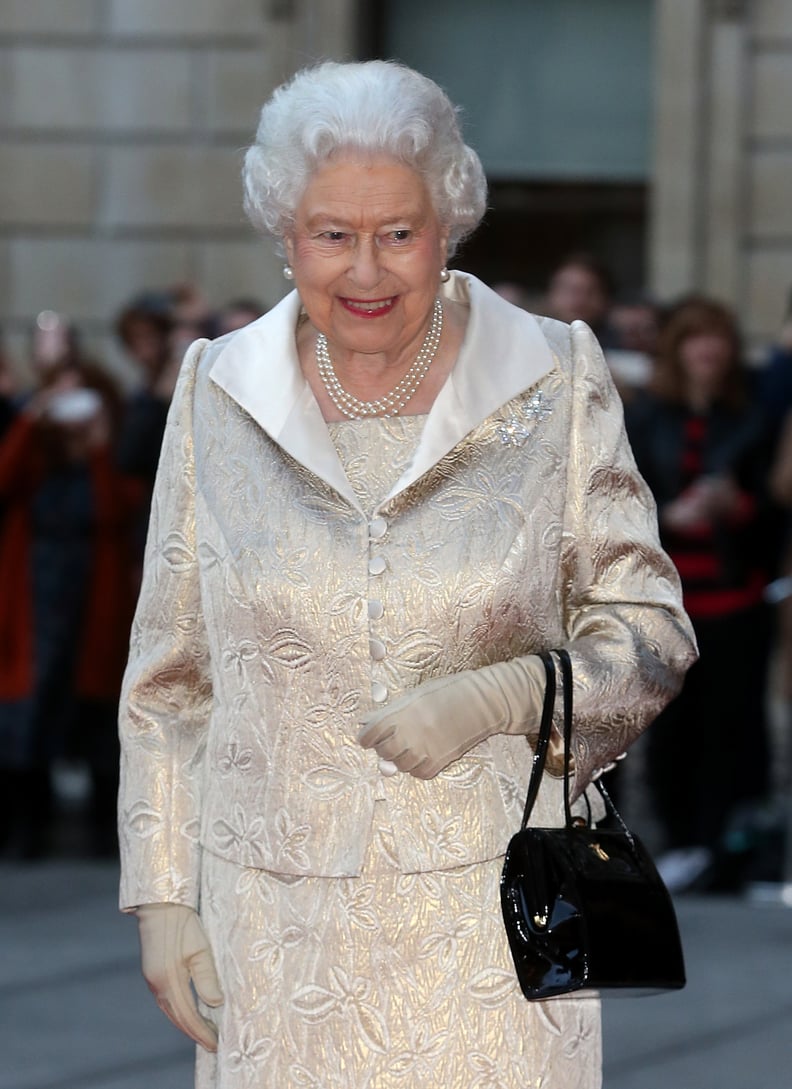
367	249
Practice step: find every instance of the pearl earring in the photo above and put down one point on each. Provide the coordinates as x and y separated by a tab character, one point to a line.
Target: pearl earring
445	275
288	272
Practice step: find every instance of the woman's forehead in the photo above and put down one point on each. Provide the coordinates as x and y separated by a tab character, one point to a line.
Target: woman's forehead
364	189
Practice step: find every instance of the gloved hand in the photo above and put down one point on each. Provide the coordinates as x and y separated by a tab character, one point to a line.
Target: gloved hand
432	725
174	950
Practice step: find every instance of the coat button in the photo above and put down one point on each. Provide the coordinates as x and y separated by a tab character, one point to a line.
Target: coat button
377	565
387	767
376	610
378	527
377	649
379	693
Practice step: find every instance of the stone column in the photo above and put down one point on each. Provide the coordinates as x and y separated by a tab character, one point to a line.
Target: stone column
721	219
725	176
676	197
769	198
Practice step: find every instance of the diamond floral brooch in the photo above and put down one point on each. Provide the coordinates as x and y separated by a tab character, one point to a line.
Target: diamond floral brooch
517	428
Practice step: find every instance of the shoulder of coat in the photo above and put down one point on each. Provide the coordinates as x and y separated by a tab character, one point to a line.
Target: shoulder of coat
556	333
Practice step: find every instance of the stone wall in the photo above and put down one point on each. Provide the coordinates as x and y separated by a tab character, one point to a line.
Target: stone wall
722	207
122	124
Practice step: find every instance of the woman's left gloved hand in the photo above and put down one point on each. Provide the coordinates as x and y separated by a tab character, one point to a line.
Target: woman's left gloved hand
175	952
434	724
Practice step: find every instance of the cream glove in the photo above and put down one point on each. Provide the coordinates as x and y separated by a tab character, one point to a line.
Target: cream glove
434	724
175	950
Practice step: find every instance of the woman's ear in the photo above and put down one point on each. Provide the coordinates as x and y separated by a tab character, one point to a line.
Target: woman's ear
288	247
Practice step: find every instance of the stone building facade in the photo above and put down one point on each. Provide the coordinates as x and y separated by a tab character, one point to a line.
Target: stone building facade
722	182
121	129
122	124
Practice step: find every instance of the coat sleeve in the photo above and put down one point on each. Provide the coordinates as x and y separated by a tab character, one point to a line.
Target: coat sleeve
629	638
166	697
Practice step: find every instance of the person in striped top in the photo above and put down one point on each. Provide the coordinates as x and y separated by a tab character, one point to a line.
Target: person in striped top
699	439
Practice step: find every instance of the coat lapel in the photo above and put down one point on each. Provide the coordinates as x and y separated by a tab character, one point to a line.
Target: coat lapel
503	354
260	370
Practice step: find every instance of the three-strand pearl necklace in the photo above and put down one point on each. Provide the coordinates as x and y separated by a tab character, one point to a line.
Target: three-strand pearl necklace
389	404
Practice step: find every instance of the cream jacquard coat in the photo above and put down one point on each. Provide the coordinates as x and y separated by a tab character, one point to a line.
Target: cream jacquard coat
275	611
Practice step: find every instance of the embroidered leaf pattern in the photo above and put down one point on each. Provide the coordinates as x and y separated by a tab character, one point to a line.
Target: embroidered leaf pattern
492	987
235	757
327	781
143	819
270	951
251	1053
315	1004
288	650
289	839
238	656
177	552
444	945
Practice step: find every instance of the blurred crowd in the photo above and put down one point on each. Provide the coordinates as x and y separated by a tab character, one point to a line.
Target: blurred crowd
77	463
712	435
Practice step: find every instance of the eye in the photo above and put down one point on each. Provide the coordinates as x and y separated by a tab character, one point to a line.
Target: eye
332	236
401	235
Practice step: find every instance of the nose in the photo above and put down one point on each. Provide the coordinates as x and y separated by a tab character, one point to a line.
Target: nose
365	269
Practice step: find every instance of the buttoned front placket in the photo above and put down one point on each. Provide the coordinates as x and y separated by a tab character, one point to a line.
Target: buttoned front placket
377	569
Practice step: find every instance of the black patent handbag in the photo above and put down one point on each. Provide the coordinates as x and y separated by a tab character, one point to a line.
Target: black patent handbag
584	907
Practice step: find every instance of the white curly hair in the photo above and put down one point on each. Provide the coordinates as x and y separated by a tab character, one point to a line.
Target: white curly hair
377	107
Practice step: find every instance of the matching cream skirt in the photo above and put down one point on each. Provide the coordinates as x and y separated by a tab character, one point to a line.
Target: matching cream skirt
386	981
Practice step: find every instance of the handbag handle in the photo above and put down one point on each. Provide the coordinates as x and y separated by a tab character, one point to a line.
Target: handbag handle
543	737
543	740
566	676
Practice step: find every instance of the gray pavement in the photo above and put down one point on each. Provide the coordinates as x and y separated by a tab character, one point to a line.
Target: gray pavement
75	1013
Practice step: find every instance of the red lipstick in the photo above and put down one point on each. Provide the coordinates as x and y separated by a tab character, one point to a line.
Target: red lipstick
368	308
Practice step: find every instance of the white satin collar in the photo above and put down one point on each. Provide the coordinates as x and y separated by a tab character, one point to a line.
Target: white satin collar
504	353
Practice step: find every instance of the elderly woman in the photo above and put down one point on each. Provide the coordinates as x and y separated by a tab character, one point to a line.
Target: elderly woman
374	505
